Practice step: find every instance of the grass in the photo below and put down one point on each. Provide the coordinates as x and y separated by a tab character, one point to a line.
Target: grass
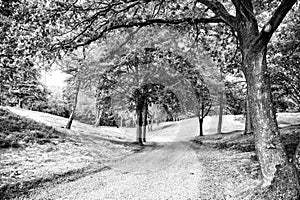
236	140
37	150
50	152
17	131
237	144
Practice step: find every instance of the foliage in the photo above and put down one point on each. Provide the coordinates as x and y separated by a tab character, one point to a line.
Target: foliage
20	85
236	97
284	58
58	108
157	69
21	38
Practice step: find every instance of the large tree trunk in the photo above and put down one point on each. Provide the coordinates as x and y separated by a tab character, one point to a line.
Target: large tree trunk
69	124
248	122
279	176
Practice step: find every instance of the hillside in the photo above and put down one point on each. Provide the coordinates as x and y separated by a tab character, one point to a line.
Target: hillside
16	131
38	152
35	148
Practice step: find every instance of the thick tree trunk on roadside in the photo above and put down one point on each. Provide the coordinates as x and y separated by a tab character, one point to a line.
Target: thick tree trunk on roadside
69	124
248	122
279	176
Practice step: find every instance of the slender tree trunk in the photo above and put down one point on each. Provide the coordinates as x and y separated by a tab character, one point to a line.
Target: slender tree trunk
279	176
69	124
221	105
248	122
20	103
150	127
139	113
70	120
98	120
121	122
145	123
200	126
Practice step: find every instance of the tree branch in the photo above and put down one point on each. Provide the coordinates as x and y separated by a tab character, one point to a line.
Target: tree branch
147	22
271	26
220	11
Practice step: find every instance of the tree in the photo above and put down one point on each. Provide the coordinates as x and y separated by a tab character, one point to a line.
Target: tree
92	20
75	67
142	73
20	85
22	42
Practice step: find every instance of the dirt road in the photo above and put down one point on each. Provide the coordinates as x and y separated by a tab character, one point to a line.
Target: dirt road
168	168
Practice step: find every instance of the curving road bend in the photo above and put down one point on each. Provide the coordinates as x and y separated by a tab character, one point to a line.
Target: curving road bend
168	170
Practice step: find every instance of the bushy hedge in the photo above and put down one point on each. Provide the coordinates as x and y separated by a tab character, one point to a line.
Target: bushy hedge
53	108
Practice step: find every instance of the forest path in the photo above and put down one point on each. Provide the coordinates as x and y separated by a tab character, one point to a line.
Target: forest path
169	167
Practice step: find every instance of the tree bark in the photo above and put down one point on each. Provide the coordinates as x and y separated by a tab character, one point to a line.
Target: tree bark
150	127
20	103
220	121
221	105
200	126
139	113
121	121
248	122
69	124
70	120
145	123
279	176
99	114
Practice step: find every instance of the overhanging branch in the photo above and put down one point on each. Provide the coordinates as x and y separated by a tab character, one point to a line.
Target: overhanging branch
271	26
220	11
147	22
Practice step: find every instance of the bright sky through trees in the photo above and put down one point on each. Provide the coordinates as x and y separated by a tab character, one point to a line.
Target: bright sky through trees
54	78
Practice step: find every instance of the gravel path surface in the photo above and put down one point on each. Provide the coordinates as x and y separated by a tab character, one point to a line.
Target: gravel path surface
169	168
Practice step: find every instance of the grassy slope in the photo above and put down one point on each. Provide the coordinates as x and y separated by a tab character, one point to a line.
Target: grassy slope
289	124
33	152
16	131
243	159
